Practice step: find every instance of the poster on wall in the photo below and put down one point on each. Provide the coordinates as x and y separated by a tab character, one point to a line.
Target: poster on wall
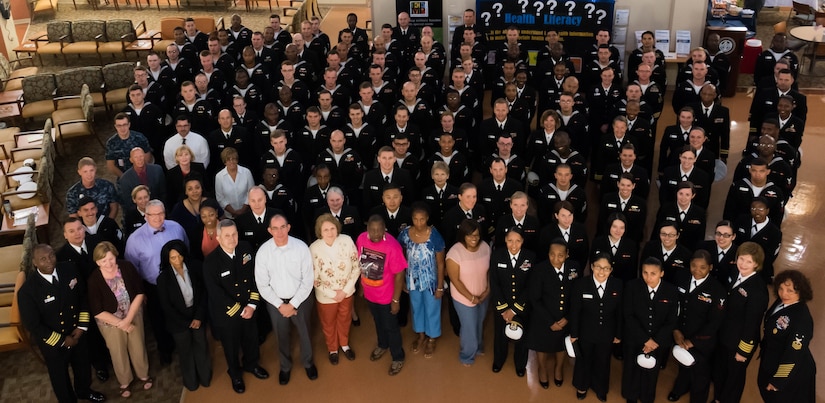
576	21
423	13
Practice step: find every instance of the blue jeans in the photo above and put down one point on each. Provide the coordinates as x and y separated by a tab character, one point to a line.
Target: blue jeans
387	329
426	313
472	323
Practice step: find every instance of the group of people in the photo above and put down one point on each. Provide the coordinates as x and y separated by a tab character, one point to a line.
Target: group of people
300	174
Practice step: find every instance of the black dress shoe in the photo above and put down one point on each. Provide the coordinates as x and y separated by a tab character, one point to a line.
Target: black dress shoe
102	375
93	396
349	354
259	373
238	385
312	371
544	384
602	398
356	322
333	358
672	397
558	382
520	372
496	368
283	377
581	395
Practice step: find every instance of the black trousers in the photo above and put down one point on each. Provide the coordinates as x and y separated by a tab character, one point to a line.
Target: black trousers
728	375
592	369
195	361
638	383
98	352
501	346
58	360
240	336
166	344
403	309
694	379
387	330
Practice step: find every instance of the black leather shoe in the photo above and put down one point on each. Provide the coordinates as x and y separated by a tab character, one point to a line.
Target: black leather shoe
672	397
349	354
544	384
312	371
602	398
259	373
93	396
496	368
333	358
558	382
581	395
520	372
102	375
283	377
238	385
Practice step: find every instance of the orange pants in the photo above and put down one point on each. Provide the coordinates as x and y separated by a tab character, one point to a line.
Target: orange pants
335	322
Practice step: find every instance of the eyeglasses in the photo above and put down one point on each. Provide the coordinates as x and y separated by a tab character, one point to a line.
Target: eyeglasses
758	209
666	235
723	235
601	268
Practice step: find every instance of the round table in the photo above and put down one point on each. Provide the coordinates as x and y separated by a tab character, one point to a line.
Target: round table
814	37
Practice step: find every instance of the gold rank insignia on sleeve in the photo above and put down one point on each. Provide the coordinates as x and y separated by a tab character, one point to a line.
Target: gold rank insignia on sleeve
501	306
233	310
83	317
254	296
53	339
745	346
783	371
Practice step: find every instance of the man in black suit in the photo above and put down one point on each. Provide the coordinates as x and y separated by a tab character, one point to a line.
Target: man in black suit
351	222
253	223
467	208
290	163
53	308
99	228
715	119
237	137
528	224
650	316
386	173
497	125
562	190
700	315
396	217
495	191
229	276
627	164
686	170
469	19
674	139
742	192
633	207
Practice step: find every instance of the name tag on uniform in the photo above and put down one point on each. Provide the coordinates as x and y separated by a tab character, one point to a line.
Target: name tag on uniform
611	205
248	233
224	274
587	296
373	187
48	299
682	290
502	265
313	200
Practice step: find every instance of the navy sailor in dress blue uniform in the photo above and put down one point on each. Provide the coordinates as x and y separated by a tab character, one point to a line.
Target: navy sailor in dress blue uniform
595	320
509	278
700	315
650	315
787	372
53	308
746	302
549	292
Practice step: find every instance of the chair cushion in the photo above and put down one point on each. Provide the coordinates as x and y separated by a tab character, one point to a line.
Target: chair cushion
71	130
39	87
85	48
10	335
5	301
7	134
38	108
64	115
110	47
86	30
51	48
117	28
167	27
160	46
57	29
117	96
119	75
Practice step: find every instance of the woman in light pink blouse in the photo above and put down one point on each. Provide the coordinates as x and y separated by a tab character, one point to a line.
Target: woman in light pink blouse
467	264
335	260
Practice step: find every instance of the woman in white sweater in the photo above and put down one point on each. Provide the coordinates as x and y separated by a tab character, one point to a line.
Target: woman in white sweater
335	261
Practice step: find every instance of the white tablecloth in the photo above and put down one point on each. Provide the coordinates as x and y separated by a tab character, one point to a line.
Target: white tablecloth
789	3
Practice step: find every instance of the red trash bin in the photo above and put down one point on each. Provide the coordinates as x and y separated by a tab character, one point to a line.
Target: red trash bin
753	47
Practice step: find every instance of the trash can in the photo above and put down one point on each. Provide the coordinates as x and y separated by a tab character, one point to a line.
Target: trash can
753	47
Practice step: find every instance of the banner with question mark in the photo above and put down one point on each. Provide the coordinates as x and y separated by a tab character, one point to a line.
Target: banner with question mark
576	21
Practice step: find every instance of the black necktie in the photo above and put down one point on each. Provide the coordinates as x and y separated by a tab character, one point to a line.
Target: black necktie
600	289
183	141
665	256
685	136
561	276
323	194
392	217
566	236
624	204
754	230
707	111
684	177
498	187
337	217
260	220
469	214
693	286
441	193
618	144
614	248
519	226
387	179
652	293
160	230
682	216
54	279
513	259
83	252
721	256
501	126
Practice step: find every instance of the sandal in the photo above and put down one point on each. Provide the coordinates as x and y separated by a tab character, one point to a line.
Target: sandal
147	383
429	348
125	392
416	346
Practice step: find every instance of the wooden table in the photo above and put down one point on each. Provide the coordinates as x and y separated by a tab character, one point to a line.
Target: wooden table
814	37
11	234
9	108
28	46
